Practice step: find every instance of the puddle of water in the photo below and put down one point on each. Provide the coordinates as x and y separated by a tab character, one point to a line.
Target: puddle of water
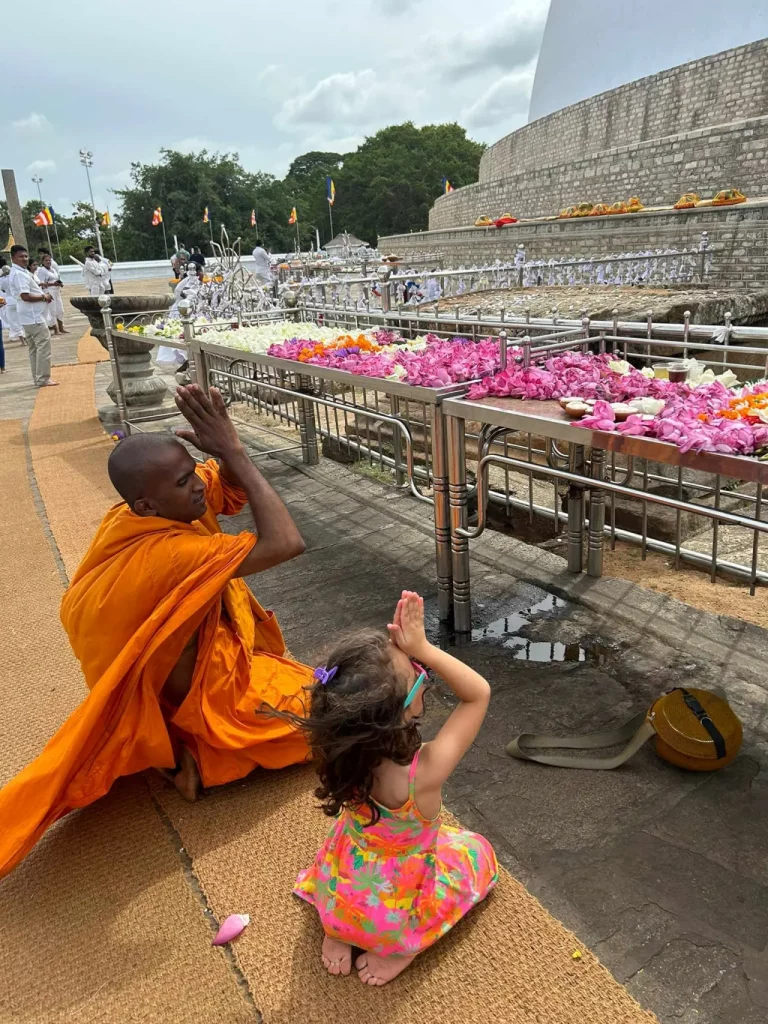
505	631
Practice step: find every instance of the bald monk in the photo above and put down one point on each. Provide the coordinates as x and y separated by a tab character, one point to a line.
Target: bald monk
177	654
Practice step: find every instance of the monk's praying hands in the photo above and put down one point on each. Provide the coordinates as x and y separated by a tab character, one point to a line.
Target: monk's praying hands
212	429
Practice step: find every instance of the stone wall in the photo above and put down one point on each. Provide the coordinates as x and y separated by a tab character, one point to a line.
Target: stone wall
738	236
704	160
725	87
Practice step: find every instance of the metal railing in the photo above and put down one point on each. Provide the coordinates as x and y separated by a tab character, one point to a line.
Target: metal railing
397	430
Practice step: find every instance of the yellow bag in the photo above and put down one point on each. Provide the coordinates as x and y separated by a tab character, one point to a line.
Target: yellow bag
694	729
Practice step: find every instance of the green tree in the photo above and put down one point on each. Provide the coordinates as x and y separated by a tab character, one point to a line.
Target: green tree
389	183
183	185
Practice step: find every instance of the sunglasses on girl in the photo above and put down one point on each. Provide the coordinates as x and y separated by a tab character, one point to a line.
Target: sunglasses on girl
421	678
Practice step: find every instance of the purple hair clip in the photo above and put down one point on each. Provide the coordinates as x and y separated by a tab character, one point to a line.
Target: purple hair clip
325	675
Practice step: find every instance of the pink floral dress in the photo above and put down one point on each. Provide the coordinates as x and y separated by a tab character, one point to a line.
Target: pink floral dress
395	887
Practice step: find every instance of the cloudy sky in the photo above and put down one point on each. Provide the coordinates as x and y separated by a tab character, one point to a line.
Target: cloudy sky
269	80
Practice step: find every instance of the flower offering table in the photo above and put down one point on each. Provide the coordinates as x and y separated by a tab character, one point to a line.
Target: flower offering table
501	417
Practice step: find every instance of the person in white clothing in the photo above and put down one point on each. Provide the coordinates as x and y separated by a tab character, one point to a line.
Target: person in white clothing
50	267
262	265
11	326
95	272
42	252
51	285
31	303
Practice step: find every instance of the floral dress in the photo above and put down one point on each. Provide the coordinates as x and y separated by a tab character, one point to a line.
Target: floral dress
395	887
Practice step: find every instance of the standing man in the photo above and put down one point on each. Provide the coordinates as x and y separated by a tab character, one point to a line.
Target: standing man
262	267
31	308
95	272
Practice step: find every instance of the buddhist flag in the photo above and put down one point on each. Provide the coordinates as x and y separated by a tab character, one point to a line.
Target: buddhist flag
447	186
48	212
157	216
43	219
294	216
206	218
330	190
11	241
106	220
253	218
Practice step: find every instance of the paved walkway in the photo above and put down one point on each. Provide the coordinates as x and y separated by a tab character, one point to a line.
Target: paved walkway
663	873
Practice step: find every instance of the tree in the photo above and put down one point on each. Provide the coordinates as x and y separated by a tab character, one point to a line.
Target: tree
389	184
183	185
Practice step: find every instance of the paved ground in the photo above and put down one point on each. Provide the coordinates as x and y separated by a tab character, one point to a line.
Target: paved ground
663	873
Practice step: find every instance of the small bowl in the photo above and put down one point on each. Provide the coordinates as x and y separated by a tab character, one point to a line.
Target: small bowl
660	370
678	373
567	401
622	411
575	410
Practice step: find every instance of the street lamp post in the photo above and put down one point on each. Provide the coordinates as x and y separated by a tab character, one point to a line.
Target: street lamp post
38	181
86	159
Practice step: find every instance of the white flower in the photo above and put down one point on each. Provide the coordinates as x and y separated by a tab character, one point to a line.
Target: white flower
728	378
647	372
621	366
647	406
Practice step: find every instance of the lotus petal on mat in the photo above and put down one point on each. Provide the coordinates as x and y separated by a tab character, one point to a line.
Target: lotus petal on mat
230	928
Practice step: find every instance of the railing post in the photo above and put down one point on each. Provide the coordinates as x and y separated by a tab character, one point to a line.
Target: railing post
114	362
575	538
526	347
503	350
307	431
442	515
192	346
595	539
457	498
397	443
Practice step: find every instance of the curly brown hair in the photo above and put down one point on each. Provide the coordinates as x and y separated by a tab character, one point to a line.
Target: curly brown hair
355	721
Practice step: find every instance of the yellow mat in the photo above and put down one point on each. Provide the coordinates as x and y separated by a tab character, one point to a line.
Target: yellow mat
69	456
99	922
89	350
509	961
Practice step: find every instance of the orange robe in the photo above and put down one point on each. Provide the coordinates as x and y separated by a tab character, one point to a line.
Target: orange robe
143	588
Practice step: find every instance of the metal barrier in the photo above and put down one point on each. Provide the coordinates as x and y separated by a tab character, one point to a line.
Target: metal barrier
400	429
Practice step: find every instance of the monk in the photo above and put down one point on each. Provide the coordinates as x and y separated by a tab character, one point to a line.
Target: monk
177	654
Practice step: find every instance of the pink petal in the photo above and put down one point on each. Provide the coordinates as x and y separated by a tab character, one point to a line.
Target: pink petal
230	928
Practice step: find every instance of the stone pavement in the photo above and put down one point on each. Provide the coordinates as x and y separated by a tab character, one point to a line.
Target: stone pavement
663	873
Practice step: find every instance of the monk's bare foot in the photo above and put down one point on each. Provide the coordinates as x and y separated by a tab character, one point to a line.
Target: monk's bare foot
378	970
337	956
187	778
167	774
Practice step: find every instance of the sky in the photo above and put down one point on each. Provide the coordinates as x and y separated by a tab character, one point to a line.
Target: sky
124	78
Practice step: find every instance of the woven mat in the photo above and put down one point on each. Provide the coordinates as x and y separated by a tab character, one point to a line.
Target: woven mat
69	456
509	961
90	350
99	922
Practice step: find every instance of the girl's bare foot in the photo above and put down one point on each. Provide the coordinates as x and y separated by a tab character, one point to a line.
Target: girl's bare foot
187	778
378	970
337	956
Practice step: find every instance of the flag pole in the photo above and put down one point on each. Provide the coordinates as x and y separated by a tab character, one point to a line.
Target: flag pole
298	241
330	215
165	238
210	228
56	232
112	232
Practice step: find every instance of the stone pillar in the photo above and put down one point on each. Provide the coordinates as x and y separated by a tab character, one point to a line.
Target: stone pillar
14	207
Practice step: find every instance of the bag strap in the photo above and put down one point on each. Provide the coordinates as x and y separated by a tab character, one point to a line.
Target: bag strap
699	711
635	733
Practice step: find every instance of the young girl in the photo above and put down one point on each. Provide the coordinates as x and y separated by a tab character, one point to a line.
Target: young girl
390	878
